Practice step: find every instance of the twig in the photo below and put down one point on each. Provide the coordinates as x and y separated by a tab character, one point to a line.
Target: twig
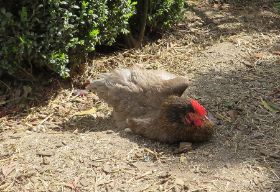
152	185
10	100
5	84
5	186
169	188
69	96
129	172
44	120
275	175
9	186
96	183
152	152
140	176
198	189
106	182
44	184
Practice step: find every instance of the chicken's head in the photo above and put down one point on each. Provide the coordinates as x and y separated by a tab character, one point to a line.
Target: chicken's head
187	111
197	116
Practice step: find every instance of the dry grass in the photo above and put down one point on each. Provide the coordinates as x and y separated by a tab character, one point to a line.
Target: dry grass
232	57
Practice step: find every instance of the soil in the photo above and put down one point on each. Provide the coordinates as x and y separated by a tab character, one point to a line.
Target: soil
230	53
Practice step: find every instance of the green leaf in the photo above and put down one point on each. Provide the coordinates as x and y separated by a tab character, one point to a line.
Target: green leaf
23	14
94	33
270	106
22	41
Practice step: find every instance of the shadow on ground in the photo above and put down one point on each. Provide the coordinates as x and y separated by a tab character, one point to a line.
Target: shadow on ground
250	130
235	18
18	97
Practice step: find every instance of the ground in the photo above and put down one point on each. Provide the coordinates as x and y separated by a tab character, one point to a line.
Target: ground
230	53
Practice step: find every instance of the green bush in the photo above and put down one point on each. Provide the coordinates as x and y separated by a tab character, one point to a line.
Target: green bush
52	33
163	14
37	33
276	6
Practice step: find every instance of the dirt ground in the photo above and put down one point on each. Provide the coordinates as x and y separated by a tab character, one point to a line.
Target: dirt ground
230	53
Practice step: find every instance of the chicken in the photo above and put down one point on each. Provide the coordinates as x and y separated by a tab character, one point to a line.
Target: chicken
149	102
135	92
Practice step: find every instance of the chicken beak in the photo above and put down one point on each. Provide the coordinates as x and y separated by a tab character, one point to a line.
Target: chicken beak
208	121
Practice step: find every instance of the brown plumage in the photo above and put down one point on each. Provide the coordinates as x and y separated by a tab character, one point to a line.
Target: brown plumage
168	127
149	103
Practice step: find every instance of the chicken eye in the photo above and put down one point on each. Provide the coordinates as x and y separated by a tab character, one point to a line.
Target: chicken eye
187	120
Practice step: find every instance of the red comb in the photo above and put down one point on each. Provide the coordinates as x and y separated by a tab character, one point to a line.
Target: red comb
198	108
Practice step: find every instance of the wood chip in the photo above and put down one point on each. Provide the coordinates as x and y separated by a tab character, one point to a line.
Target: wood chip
46	160
179	181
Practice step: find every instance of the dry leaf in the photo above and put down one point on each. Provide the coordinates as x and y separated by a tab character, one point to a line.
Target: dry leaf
183	159
259	55
71	185
179	181
270	106
274	106
276	52
86	112
7	169
107	169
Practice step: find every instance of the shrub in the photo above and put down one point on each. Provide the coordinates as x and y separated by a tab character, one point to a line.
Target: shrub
46	33
276	6
153	16
52	33
163	14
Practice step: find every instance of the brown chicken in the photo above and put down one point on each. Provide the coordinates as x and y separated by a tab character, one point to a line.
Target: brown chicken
149	102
